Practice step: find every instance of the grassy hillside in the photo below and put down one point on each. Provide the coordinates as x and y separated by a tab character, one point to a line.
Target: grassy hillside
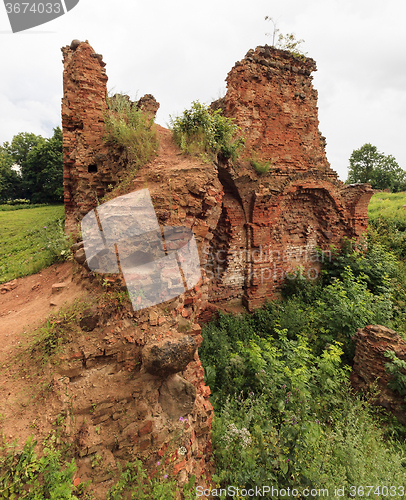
30	240
389	206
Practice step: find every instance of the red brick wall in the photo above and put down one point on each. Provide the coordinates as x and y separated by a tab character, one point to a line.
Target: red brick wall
299	205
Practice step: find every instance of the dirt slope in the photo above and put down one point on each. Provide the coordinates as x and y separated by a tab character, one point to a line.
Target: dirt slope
22	309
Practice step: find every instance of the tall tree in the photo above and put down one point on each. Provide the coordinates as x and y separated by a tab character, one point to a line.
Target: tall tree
31	167
10	179
368	165
18	150
43	170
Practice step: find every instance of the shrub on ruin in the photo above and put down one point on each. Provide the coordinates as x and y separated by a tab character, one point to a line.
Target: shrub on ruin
201	131
129	128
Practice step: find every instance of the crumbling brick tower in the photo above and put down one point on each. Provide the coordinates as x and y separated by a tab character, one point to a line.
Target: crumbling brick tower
272	223
89	165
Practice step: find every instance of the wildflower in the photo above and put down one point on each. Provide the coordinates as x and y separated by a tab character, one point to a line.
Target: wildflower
182	450
166	476
158	463
181	419
45	227
186	420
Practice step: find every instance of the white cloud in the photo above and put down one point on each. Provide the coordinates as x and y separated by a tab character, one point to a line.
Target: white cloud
182	51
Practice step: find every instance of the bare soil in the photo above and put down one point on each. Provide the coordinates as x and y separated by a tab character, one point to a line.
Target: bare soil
23	309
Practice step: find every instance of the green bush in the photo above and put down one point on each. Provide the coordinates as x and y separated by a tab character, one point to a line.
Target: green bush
303	430
131	129
397	368
134	484
201	131
348	304
284	411
367	258
26	476
10	207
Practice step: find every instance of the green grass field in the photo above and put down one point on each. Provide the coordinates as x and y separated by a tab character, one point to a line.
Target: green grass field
389	206
30	240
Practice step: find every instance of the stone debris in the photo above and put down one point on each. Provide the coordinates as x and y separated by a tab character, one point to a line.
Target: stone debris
169	356
8	287
57	287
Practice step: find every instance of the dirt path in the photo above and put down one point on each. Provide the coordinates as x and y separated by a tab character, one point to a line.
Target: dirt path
170	156
22	309
29	303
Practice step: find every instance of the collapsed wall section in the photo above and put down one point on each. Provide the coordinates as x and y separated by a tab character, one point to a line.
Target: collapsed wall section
369	373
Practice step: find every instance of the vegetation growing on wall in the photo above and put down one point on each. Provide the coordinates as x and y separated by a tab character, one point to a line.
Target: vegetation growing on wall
287	42
131	129
202	132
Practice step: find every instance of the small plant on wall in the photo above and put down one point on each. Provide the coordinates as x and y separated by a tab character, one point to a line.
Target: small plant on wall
285	42
261	167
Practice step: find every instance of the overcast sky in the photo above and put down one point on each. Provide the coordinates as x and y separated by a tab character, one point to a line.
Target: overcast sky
181	51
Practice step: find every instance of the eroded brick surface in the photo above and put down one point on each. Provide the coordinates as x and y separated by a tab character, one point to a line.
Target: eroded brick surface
90	167
278	218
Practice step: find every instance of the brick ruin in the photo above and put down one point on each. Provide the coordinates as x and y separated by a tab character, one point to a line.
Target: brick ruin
272	223
251	229
90	166
369	372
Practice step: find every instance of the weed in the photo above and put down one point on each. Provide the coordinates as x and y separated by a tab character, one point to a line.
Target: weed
203	132
397	368
48	340
97	461
25	475
261	167
131	129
